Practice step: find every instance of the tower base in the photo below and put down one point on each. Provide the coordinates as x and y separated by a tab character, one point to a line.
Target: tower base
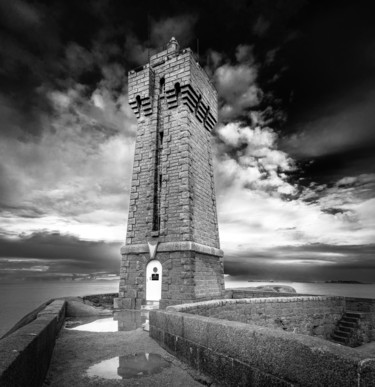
190	273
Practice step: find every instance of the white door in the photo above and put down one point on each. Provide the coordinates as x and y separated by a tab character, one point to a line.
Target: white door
153	280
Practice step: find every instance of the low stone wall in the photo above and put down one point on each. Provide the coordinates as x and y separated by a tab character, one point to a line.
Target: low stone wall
27	319
26	350
314	315
237	293
25	354
166	303
239	354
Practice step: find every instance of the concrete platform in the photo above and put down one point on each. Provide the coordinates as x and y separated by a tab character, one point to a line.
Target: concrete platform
76	351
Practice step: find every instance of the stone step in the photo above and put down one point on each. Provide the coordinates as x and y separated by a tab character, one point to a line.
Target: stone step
345	329
348	324
338	339
341	333
349	319
355	314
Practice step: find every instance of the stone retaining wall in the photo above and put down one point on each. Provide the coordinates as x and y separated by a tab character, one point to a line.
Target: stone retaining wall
26	350
314	315
238	354
27	319
26	353
237	293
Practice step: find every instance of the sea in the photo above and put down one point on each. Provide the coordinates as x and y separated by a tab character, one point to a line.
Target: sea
19	298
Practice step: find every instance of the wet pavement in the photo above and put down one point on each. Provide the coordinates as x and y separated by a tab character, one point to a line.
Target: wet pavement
120	321
114	352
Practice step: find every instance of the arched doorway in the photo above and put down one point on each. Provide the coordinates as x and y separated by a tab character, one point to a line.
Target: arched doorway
153	280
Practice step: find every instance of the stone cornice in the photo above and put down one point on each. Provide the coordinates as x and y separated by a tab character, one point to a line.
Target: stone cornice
172	246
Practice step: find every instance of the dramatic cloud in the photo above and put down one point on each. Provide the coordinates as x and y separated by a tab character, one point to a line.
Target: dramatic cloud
181	27
314	262
347	125
294	148
55	253
262	212
79	169
160	32
237	88
137	52
271	221
258	165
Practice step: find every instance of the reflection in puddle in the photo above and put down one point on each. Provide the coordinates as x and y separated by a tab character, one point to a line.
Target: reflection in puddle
129	366
106	369
129	320
126	320
101	325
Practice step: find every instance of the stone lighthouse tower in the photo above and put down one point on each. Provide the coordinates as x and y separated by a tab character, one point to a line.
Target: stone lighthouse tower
172	251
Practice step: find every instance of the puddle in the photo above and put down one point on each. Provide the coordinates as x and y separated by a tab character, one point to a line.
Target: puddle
129	366
128	320
101	325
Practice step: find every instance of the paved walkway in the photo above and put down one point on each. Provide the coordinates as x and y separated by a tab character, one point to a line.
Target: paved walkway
367	349
76	351
122	358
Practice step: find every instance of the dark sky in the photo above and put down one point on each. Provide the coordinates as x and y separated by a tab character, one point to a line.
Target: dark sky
294	149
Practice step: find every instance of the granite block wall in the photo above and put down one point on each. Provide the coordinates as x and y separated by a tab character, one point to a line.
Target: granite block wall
238	354
314	315
208	279
172	196
187	192
188	276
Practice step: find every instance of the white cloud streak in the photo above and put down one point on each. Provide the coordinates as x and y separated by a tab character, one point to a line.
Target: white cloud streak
253	212
74	179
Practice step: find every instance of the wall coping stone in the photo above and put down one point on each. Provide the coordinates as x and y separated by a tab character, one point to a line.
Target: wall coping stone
172	246
223	302
25	354
273	355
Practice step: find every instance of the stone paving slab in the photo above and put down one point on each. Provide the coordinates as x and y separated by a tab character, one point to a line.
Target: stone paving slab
76	351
